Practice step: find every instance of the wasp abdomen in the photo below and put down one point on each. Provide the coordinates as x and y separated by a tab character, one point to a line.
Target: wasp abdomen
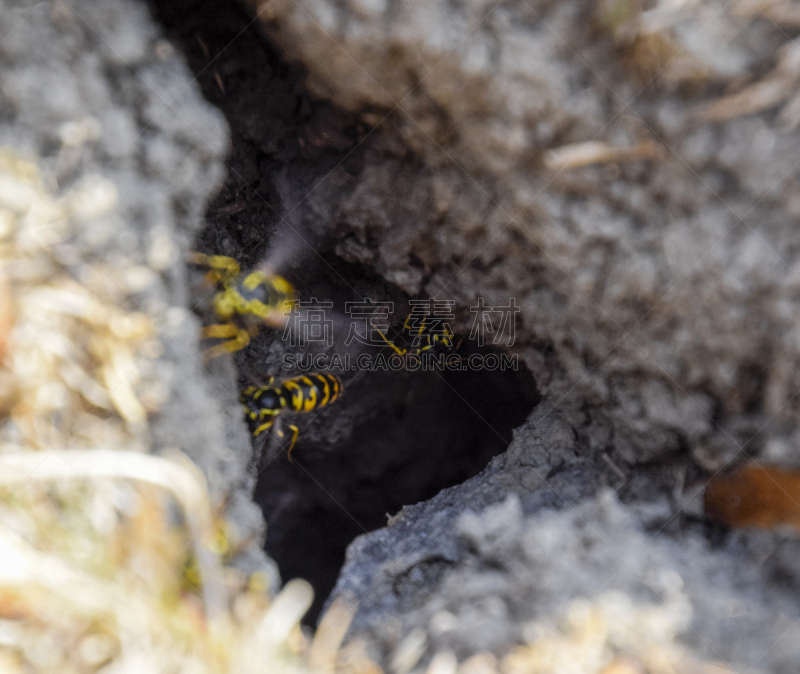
307	392
262	405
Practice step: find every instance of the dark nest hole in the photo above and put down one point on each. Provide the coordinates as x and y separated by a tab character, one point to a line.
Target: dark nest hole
413	435
396	437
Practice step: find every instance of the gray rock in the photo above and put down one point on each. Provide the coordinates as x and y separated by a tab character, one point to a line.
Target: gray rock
479	574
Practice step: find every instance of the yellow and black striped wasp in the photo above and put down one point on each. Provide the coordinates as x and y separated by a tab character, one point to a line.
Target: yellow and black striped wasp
243	302
264	405
246	301
426	333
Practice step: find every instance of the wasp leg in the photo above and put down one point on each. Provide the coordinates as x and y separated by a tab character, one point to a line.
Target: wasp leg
238	338
295	433
390	343
200	259
447	341
223	268
220	331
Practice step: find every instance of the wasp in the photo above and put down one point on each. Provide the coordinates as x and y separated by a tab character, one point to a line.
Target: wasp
264	405
426	334
242	303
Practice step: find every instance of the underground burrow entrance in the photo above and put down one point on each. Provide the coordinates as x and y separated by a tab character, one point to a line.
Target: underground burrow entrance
395	438
414	435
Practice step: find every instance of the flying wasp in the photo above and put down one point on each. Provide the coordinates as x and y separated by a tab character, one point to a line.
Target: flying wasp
247	301
263	405
243	302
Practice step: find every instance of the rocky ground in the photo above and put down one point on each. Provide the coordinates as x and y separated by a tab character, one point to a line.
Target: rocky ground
627	176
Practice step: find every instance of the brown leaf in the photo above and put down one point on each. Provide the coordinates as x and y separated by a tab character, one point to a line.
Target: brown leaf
764	497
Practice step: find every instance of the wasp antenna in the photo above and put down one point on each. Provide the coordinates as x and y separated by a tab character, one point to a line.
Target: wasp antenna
200	259
397	350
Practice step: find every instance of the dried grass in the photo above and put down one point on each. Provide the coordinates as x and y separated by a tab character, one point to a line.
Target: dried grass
96	542
577	155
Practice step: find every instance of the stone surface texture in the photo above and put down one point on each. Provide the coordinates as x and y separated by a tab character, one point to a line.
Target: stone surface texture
489	564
